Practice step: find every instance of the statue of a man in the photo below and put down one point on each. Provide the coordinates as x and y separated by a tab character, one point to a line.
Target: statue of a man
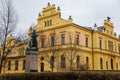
33	40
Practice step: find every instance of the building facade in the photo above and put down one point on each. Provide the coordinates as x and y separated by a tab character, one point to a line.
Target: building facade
64	45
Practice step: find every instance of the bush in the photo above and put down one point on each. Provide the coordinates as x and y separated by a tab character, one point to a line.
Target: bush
81	75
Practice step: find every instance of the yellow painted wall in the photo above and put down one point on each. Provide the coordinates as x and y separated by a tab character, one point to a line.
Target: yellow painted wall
61	26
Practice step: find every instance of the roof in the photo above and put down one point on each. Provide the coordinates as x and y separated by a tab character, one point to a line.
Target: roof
100	28
85	27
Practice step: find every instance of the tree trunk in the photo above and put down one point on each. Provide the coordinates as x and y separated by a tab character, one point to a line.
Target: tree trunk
0	69
1	63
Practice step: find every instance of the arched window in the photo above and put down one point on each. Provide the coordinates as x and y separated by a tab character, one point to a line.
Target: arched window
63	64
78	61
111	62
52	61
87	62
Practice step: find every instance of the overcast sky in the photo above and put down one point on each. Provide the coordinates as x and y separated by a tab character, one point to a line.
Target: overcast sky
83	12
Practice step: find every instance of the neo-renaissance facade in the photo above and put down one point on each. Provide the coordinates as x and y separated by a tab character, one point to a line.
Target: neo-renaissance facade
66	46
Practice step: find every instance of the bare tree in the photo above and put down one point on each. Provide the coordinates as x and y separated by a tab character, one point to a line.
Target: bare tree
22	37
8	22
52	53
71	49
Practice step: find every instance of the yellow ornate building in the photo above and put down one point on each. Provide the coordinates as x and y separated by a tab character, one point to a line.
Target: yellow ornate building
64	45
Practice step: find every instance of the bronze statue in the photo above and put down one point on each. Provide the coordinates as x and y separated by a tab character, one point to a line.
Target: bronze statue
33	40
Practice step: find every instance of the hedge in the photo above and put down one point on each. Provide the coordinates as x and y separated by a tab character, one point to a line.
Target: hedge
82	75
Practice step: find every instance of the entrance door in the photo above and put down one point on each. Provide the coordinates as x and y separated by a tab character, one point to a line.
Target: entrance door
42	67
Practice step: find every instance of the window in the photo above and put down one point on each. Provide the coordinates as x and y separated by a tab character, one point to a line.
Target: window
52	41
63	39
42	42
87	62
86	42
115	47
16	65
42	58
105	45
23	64
116	66
9	65
77	39
52	61
63	64
111	62
100	44
106	65
48	23
110	45
119	49
101	63
78	61
45	23
21	51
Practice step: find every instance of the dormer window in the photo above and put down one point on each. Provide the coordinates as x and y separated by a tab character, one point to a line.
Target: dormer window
48	23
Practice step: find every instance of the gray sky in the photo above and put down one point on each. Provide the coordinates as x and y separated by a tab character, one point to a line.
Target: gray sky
83	12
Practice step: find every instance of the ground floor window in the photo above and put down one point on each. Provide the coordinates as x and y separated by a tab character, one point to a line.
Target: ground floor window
63	64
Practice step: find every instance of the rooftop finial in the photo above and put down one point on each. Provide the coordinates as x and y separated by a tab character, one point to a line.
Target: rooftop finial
58	8
39	14
95	25
48	4
108	18
119	36
70	17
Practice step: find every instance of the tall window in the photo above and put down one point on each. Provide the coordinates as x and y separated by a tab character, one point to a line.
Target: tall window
117	66
50	22
63	64
45	23
16	65
87	62
52	41
111	62
106	65
78	61
110	45
23	64
119	49
115	47
105	45
77	39
9	65
63	39
42	42
86	42
101	63
52	61
100	44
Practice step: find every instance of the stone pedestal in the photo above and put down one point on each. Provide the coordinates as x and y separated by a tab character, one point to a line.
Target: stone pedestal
31	64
